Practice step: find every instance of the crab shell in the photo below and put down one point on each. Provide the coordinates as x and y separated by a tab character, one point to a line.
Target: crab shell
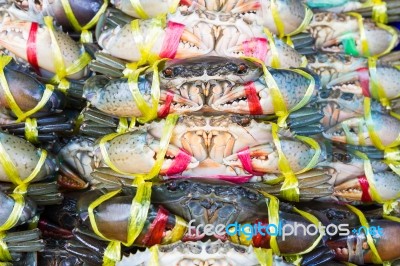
14	37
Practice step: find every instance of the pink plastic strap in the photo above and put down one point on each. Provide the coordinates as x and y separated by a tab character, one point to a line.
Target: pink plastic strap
171	41
363	76
165	108
256	47
366	197
179	164
252	99
241	179
244	157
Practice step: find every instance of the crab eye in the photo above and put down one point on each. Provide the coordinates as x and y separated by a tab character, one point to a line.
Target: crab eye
178	71
168	73
242	69
347	96
172	186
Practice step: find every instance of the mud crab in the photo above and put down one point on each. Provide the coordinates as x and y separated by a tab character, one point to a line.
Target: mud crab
204	85
293	15
186	37
204	146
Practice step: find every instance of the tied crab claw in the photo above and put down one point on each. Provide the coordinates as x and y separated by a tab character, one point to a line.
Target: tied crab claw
25	158
356	249
28	94
172	39
35	11
341	33
32	43
355	131
358	189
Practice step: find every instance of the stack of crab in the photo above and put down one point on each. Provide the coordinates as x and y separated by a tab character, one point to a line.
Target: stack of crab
199	130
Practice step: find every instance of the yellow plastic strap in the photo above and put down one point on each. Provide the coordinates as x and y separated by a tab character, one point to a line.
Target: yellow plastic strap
138	212
174	6
273	218
137	218
74	22
371	130
393	41
63	86
309	91
122	125
316	222
19	203
391	218
364	41
4	253
137	6
154	261
61	70
279	23
31	132
379	12
376	259
96	203
377	91
12	172
146	43
4	60
264	256
148	112
280	28
314	160
290	187
164	142
112	254
176	232
275	62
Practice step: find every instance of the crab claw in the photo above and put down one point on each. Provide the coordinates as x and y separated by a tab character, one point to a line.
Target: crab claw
139	146
16	36
355	248
265	158
358	82
358	189
355	131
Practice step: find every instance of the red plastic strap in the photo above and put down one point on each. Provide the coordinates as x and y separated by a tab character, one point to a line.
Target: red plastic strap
171	41
164	109
157	228
31	47
244	157
256	47
252	99
366	197
179	164
260	240
363	76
